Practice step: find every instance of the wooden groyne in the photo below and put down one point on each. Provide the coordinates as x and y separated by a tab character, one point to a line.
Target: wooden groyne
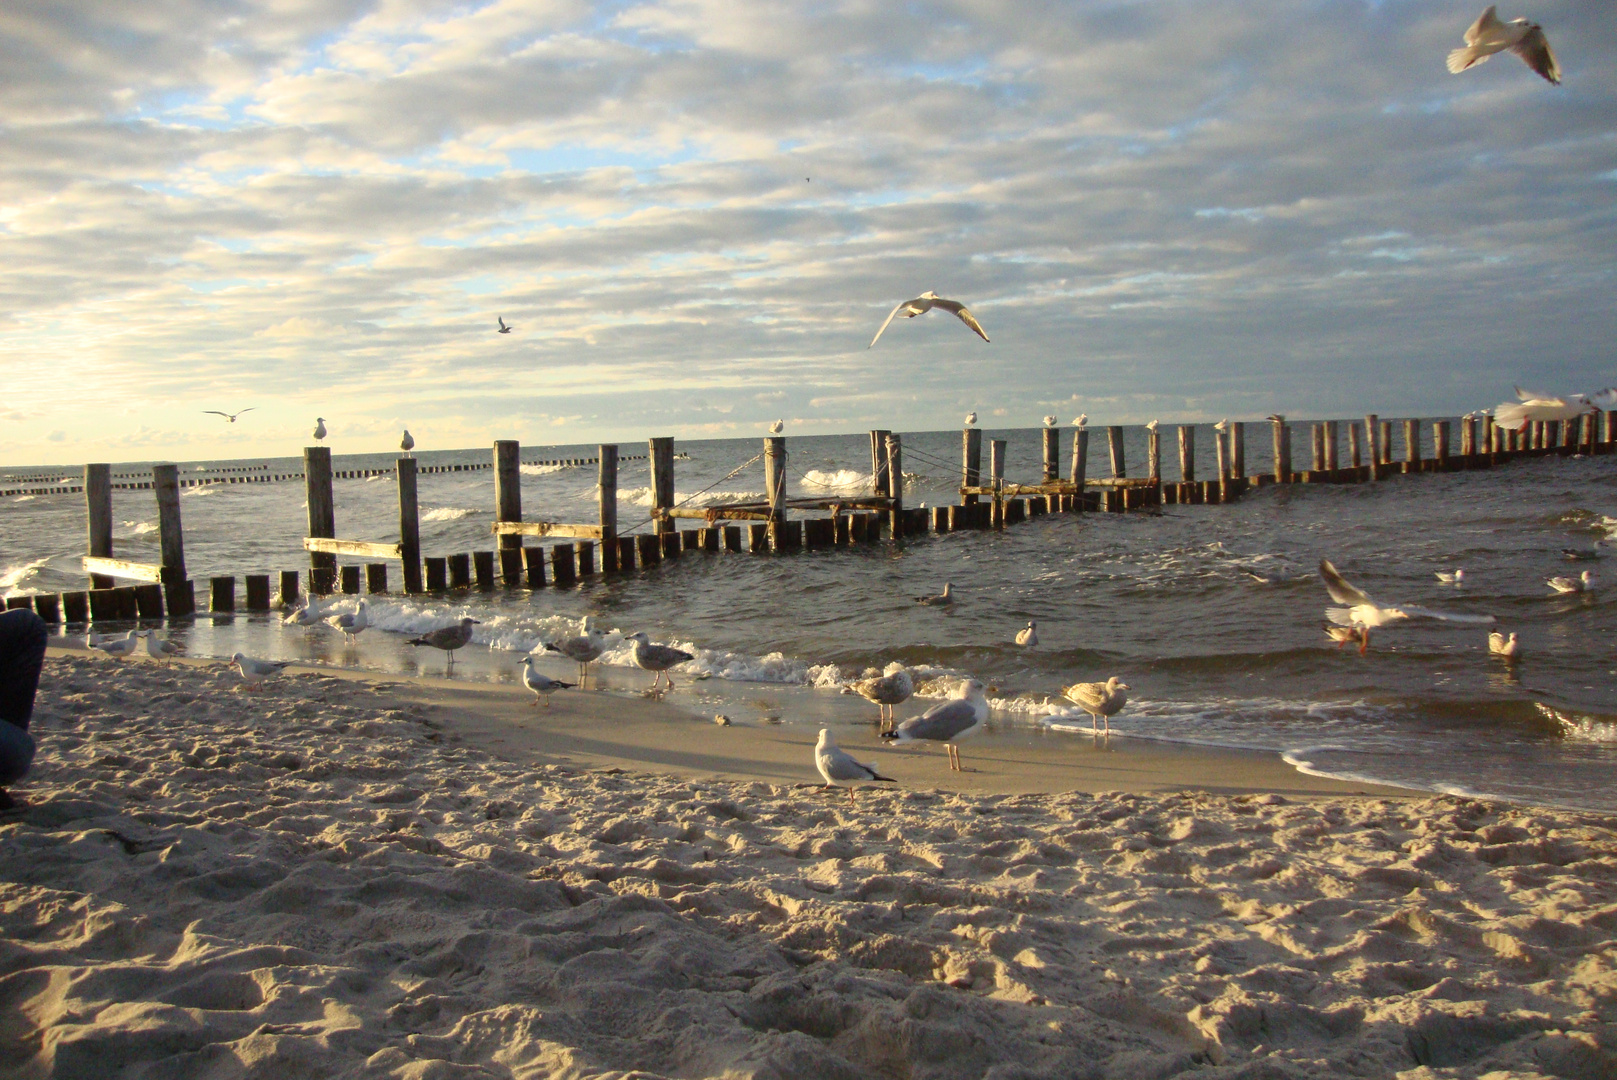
580	550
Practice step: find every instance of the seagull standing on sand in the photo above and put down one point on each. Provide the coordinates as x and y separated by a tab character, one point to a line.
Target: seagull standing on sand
1366	614
947	722
1028	635
504	329
408	442
254	672
657	658
351	623
448	638
1098	699
942	599
160	648
1489	35
229	417
119	647
885	691
582	650
542	685
319	428
1500	645
1584	582
838	766
925	303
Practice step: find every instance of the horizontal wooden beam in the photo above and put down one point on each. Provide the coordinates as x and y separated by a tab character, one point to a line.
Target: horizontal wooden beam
121	568
362	548
547	528
747	512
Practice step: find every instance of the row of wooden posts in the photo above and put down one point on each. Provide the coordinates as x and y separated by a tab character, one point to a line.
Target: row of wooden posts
584	549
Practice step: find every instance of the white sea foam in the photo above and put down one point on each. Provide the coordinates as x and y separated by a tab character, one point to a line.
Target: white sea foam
544	470
837	482
199	491
642	497
139	528
449	513
25	498
13	576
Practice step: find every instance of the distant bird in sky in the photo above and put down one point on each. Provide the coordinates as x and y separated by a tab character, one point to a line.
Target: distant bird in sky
1151	427
319	428
1028	635
925	303
971	418
839	767
777	427
408	442
230	417
504	329
1489	35
1049	421
1082	421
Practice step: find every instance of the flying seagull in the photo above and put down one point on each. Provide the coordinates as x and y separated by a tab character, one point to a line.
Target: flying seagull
231	417
1488	35
504	329
1366	614
925	303
408	442
1537	405
319	428
839	767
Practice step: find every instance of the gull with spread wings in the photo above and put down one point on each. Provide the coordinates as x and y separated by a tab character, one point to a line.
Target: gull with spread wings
229	417
1539	405
1365	614
925	303
1489	34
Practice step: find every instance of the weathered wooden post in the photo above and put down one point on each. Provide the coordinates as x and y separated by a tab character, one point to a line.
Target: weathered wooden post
1221	456
1114	442
1468	437
1372	443
1330	446
895	484
606	490
98	512
289	588
1282	463
1440	444
971	461
996	480
1052	454
508	506
662	482
1187	454
1411	446
775	486
1153	454
1080	465
409	525
1318	433
880	470
1238	449
179	594
1386	442
1355	455
322	517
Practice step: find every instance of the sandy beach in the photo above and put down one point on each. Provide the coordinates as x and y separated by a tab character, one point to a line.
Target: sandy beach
349	876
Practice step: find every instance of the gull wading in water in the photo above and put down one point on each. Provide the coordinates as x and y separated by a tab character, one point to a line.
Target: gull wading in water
229	417
1584	582
1366	614
309	614
1098	699
1489	35
1028	635
839	767
448	638
319	428
254	672
885	691
542	685
1500	645
583	650
925	303
947	722
351	623
942	599
657	658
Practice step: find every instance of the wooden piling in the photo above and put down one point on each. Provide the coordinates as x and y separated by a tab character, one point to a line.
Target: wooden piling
348	579
668	545
648	548
1468	437
222	593
996	480
1331	441
1318	433
98	515
437	573
662	481
971	461
533	561
507	505
1238	450
880	471
1187	454
170	534
1221	455
482	568
75	607
289	588
460	571
710	537
1411	446
1440	444
563	564
1386	442
1080	459
775	485
732	538
606	488
626	549
322	516
409	524
376	576
1372	444
1355	454
895	482
1052	454
757	537
1153	454
149	598
48	607
1114	443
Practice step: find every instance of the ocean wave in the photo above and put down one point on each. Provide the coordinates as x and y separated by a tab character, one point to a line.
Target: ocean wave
838	482
13	576
1581	726
139	528
543	470
642	497
449	513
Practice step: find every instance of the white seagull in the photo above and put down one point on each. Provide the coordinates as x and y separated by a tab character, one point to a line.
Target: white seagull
839	767
351	623
1536	405
118	646
947	722
1098	699
253	671
942	599
1500	645
504	329
309	614
1489	35
925	303
1584	582
656	658
885	691
1028	635
1366	614
971	418
1081	421
1343	635
1049	421
408	442
1451	577
777	427
583	650
230	417
1222	426
160	648
542	685
319	428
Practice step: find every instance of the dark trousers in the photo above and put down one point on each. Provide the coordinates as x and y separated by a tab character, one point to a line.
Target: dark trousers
22	654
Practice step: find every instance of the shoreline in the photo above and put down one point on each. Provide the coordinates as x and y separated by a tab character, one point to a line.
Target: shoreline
623	729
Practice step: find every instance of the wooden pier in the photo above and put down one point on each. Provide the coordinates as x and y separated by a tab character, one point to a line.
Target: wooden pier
778	523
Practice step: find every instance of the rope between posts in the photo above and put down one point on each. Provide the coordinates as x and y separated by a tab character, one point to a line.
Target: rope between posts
694	494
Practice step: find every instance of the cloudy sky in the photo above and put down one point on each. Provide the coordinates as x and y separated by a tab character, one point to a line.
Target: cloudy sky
697	212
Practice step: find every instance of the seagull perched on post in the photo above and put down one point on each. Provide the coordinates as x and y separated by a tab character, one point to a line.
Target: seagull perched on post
1489	35
319	428
777	427
1081	421
1049	421
230	417
504	329
1222	426
971	418
408	442
1366	614
1151	427
839	767
925	303
1275	418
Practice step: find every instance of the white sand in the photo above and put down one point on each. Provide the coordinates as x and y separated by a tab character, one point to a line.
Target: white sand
318	881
